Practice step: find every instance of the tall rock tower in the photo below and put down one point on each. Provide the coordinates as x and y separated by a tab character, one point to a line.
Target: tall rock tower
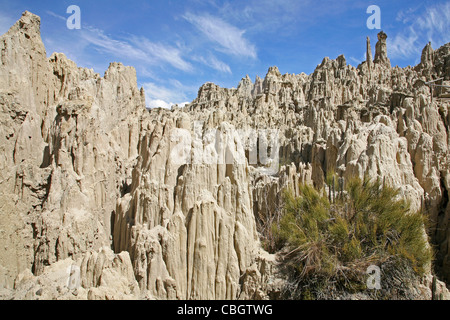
369	54
381	50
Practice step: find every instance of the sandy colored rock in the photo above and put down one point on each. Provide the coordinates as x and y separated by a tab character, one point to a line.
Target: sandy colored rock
174	204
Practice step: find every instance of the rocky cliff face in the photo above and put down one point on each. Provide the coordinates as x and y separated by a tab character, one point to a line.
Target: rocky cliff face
103	199
69	139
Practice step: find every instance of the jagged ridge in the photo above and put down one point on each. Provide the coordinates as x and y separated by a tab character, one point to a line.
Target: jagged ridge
91	171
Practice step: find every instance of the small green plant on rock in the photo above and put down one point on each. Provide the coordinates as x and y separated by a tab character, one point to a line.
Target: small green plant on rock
333	244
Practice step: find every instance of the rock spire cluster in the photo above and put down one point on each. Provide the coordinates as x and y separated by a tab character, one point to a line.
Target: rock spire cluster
95	203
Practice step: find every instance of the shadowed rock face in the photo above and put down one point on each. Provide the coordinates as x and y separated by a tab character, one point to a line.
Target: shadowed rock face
92	181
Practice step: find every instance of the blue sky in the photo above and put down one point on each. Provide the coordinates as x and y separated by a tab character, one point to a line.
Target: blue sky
177	45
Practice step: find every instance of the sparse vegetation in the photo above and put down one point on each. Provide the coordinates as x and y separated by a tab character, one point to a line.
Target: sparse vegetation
328	246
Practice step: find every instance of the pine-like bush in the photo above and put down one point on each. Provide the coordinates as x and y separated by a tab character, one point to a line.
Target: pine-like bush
328	246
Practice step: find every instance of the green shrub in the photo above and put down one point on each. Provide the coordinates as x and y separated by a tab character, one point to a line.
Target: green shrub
337	242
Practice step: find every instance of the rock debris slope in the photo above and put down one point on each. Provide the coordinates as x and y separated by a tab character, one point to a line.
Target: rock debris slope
98	200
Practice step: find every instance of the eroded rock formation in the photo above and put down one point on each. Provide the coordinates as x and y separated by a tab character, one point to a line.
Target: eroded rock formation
92	181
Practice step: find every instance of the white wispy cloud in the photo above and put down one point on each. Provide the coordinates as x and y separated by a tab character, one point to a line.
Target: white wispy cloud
164	53
161	96
105	43
214	63
158	103
430	25
436	23
357	61
404	45
230	38
280	17
55	15
5	23
137	49
407	14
